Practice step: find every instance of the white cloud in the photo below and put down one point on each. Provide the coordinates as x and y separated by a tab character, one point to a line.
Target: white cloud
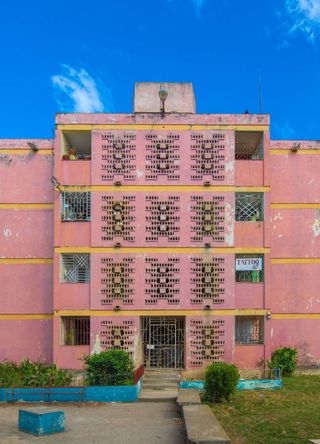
305	17
77	91
198	5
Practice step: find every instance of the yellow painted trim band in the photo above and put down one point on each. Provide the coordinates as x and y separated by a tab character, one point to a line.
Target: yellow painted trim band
154	250
159	127
295	260
27	151
21	206
23	260
12	317
295	205
248	312
296	316
122	313
299	152
162	188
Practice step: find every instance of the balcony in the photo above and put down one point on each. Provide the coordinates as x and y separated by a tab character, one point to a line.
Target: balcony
249	149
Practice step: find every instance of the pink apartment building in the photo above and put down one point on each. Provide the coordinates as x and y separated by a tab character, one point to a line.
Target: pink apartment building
182	238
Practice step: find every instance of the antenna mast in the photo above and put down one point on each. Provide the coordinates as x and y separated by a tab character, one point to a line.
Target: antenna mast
260	94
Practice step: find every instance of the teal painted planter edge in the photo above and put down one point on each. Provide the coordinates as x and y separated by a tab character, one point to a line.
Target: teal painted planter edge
244	384
72	394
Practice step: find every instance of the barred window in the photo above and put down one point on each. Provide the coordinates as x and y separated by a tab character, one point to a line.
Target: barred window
249	207
255	275
75	268
75	330
75	206
249	329
249	145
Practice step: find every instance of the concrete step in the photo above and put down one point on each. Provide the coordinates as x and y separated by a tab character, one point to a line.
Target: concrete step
156	374
151	395
188	397
160	386
202	426
162	379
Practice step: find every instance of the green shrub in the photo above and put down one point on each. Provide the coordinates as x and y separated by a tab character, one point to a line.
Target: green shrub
112	367
221	381
284	358
9	374
33	374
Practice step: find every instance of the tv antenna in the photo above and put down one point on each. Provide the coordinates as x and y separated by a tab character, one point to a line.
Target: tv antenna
260	94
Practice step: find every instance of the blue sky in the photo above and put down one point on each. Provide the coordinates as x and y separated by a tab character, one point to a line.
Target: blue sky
75	55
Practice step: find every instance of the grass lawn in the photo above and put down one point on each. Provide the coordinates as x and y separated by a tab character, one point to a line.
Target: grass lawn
290	415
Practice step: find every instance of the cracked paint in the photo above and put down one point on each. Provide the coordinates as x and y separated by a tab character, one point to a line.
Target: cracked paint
7	232
316	225
139	173
277	217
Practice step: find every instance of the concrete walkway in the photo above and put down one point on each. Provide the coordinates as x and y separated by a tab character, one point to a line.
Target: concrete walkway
136	423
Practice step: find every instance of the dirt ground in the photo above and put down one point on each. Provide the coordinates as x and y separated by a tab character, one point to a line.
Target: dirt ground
136	423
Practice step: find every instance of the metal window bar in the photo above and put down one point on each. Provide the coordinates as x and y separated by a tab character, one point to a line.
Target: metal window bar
249	207
75	330
249	276
249	329
246	148
75	268
75	206
163	342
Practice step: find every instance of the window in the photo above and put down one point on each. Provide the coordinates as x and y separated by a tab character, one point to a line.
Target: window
76	145
75	268
249	329
249	268
75	206
249	207
249	145
75	330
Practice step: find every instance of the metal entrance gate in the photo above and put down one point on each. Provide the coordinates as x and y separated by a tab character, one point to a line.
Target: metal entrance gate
163	342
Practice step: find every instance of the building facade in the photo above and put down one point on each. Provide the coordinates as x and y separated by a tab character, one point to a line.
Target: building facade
180	237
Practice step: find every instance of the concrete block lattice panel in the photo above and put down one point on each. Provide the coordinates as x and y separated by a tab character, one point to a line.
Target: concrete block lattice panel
162	281
162	219
117	333
161	157
208	339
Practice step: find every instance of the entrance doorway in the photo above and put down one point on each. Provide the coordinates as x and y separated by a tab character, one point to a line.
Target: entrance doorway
163	342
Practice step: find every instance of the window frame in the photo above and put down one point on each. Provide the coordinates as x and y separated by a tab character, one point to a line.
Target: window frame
257	276
76	275
73	333
249	335
254	214
79	207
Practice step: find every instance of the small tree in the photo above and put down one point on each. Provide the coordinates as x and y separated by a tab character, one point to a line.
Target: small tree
221	381
286	359
112	367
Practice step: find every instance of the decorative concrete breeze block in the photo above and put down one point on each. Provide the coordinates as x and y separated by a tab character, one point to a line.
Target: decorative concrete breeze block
41	421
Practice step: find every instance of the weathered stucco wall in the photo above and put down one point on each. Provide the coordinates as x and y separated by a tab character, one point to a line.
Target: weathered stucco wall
295	242
26	249
26	338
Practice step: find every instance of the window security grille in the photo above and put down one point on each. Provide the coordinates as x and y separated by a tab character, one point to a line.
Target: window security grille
75	330
76	206
75	268
249	329
249	145
250	275
249	207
